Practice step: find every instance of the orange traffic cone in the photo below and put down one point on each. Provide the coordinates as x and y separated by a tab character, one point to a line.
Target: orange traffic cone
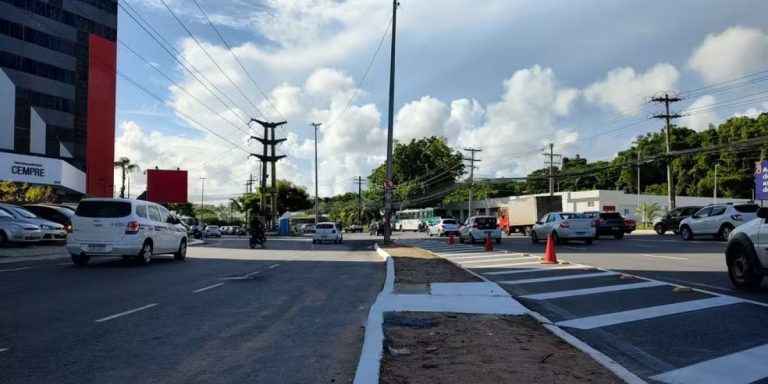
488	243
550	256
451	239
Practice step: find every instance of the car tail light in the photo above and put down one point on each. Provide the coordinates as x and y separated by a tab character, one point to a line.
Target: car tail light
737	217
133	227
565	224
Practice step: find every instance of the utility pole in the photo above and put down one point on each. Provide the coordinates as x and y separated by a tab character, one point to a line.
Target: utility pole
359	183
715	189
551	164
248	190
667	117
317	200
472	160
202	198
638	186
129	187
390	129
269	142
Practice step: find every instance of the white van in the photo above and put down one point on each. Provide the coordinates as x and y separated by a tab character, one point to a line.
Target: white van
134	229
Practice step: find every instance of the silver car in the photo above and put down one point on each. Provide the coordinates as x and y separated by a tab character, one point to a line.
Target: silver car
443	227
13	230
564	226
51	230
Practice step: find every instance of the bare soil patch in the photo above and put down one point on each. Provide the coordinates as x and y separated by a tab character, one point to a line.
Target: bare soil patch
460	348
417	266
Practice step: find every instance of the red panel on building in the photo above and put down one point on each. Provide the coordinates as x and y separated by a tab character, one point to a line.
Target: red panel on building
100	136
166	186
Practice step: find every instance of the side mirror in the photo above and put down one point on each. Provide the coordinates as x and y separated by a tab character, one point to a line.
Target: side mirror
762	213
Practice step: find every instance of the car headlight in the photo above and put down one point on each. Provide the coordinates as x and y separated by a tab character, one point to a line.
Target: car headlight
46	227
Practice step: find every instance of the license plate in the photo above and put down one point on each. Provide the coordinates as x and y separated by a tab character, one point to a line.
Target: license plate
97	248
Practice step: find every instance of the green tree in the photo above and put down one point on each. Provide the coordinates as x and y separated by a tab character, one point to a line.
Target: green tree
35	194
126	167
647	212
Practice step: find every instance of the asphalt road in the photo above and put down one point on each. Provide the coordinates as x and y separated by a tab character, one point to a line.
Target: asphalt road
291	313
699	263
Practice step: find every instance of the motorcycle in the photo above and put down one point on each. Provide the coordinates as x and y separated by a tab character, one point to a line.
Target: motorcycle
259	239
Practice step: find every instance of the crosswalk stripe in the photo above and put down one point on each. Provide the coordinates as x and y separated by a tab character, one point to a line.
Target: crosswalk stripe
591	291
556	278
529	270
463	262
741	367
605	320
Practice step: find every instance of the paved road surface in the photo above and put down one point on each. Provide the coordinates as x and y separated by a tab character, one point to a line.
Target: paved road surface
289	314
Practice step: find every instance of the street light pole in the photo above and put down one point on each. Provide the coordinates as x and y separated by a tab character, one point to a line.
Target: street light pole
390	129
317	201
715	189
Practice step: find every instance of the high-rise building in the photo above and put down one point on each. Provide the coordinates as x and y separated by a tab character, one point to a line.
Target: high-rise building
57	94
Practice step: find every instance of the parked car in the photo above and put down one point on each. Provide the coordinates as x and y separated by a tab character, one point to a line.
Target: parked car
327	232
354	228
213	231
565	226
13	230
478	228
717	220
307	228
746	254
53	213
444	227
134	229
608	223
671	220
51	230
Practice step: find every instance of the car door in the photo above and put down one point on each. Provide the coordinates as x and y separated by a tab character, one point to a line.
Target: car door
540	227
159	229
715	218
174	234
698	220
467	227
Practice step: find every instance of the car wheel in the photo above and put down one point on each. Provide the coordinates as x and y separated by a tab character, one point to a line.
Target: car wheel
588	241
740	270
725	232
145	255
181	254
80	260
618	236
659	228
534	237
685	233
556	238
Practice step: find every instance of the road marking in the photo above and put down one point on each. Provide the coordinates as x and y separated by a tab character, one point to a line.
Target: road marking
699	284
556	278
598	321
3	349
125	313
207	288
475	255
462	262
590	291
516	271
664	257
14	269
273	265
252	273
741	367
503	265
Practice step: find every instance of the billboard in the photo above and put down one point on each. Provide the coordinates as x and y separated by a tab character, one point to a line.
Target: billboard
167	186
42	171
761	180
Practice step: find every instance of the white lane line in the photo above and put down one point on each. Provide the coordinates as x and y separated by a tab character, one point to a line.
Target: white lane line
741	367
14	269
3	349
125	313
207	288
273	265
591	291
663	257
465	262
576	248
556	278
605	320
252	274
504	265
529	270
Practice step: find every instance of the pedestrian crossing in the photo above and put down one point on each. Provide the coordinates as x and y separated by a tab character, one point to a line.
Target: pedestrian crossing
584	300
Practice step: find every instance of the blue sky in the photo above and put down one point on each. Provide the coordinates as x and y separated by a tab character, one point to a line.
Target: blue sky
507	76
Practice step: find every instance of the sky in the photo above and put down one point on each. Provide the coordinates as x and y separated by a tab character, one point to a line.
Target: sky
505	76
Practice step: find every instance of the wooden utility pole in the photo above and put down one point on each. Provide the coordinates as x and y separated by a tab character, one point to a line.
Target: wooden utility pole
390	130
666	99
472	160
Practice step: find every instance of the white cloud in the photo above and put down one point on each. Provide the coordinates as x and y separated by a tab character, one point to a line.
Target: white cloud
753	112
624	89
424	117
735	52
696	116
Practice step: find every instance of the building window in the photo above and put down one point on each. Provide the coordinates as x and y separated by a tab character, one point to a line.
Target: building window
590	204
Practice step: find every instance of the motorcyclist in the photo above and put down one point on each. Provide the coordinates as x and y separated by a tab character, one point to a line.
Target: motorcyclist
256	226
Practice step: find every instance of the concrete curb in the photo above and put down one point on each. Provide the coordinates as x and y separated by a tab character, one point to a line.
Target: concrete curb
370	358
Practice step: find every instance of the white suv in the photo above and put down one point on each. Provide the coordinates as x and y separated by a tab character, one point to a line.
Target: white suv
133	229
327	232
717	220
746	254
477	228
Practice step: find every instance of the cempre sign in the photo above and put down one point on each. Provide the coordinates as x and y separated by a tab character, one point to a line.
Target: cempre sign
41	170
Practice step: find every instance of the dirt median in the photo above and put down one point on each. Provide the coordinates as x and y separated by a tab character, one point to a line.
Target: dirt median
417	266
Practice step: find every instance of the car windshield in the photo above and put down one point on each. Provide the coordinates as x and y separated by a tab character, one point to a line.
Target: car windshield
450	222
24	213
3	213
568	216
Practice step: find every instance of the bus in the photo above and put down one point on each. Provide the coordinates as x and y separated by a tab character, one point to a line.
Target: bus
410	219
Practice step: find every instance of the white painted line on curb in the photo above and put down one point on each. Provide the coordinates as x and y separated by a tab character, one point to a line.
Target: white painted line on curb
664	257
530	270
207	288
605	320
14	269
125	313
505	265
472	256
741	367
556	278
273	265
467	262
591	291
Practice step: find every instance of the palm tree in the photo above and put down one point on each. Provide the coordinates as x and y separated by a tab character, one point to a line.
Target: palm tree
126	167
234	205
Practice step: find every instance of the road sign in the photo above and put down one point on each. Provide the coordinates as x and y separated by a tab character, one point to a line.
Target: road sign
761	180
389	184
